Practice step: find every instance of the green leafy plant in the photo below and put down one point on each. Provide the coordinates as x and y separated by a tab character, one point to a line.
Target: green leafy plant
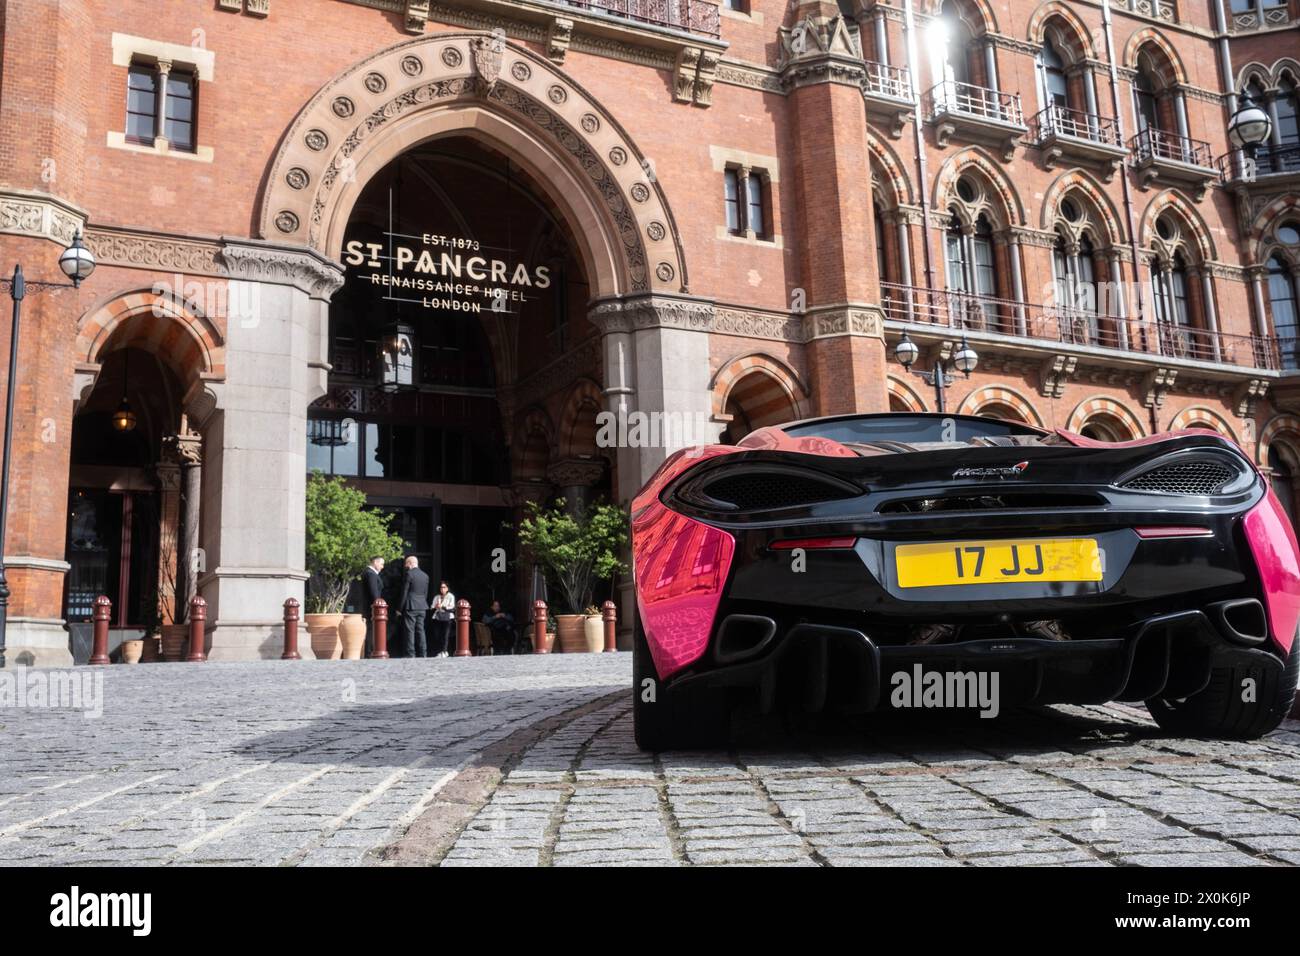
576	549
342	536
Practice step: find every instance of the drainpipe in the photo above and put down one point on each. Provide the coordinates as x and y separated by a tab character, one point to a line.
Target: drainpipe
1124	175
922	167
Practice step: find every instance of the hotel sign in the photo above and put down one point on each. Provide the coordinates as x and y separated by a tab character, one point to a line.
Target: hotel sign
444	272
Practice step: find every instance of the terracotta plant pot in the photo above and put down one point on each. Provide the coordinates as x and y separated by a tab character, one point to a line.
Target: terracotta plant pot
132	650
569	629
174	639
352	636
152	651
593	629
324	631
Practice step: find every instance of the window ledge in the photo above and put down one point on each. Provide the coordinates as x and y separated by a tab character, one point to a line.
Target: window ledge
776	242
117	140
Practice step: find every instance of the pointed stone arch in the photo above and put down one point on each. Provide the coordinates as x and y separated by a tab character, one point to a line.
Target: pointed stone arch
1199	415
1283	424
1099	203
1169	65
1081	46
178	332
472	84
1007	211
1193	225
891	173
1104	405
781	388
1259	246
577	438
907	396
533	447
981	398
977	13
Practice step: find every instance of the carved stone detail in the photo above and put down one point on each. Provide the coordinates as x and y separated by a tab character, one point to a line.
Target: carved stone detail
416	16
758	325
561	35
860	320
1156	384
489	54
1247	395
34	214
257	262
186	256
575	472
1056	374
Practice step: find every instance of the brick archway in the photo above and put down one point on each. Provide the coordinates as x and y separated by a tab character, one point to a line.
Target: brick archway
1007	211
1165	56
1284	423
1192	225
1000	395
773	391
1102	405
907	396
472	84
1200	416
1080	183
179	333
1081	39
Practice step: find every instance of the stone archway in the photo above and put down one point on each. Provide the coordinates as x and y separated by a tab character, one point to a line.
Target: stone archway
476	84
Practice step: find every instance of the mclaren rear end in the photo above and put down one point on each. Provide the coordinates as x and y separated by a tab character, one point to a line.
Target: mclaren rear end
853	564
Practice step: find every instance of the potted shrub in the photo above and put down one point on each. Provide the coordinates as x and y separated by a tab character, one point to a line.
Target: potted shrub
342	536
577	548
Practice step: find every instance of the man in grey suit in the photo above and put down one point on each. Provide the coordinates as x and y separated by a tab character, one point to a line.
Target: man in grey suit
414	605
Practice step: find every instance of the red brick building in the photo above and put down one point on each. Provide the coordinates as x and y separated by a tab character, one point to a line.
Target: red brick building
730	215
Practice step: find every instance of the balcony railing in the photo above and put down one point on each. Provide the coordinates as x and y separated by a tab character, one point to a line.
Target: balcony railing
951	96
1269	161
1063	121
695	16
885	80
1159	144
1052	323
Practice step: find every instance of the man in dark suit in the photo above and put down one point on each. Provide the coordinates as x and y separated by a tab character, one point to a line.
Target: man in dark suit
372	589
415	605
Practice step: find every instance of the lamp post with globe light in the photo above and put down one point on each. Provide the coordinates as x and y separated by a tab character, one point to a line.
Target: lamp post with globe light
77	263
964	361
1248	128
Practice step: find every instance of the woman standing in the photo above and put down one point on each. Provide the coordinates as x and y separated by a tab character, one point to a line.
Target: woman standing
443	607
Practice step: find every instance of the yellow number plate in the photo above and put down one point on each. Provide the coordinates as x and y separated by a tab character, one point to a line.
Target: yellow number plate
997	562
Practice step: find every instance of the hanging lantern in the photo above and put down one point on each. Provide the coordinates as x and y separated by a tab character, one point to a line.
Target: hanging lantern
327	432
397	358
124	419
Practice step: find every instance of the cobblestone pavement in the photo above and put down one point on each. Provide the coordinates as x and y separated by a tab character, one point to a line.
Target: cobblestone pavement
530	760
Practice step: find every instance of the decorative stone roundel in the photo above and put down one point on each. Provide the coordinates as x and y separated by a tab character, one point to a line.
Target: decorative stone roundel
656	231
664	272
316	140
376	83
297	178
451	56
521	71
557	94
286	222
590	122
640	192
618	156
343	107
412	65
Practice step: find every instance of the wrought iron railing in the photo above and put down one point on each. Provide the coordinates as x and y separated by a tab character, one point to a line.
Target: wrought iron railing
1063	121
951	96
1268	161
885	80
1161	144
695	16
1054	323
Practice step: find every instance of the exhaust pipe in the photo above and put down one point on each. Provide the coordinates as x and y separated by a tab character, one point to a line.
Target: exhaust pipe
1241	621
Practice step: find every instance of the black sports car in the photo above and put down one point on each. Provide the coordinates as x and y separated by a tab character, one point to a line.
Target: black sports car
864	562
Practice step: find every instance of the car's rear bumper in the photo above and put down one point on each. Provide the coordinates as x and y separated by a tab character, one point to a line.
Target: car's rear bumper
815	667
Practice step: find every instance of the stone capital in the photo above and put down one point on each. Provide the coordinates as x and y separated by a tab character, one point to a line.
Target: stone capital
851	319
632	313
254	260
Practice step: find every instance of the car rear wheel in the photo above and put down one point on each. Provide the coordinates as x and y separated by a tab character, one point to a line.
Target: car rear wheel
1220	711
672	719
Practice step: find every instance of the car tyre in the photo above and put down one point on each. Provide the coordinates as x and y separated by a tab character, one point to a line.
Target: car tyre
666	718
1219	712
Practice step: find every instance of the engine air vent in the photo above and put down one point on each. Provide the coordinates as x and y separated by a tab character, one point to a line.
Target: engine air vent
769	491
1200	476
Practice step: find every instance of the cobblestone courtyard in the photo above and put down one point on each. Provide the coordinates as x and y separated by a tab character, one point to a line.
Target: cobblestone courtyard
530	760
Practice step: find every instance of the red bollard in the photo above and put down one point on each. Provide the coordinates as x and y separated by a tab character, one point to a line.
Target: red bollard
379	635
539	628
610	613
462	628
99	649
291	631
198	616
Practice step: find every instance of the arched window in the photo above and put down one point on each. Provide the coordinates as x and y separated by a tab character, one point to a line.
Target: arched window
1148	109
1282	479
1282	301
972	271
957	44
882	256
1288	120
1055	87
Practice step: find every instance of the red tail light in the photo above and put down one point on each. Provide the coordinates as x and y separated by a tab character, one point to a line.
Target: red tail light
1174	532
814	544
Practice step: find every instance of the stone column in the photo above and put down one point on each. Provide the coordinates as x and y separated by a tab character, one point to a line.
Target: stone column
169	543
160	121
255	431
574	477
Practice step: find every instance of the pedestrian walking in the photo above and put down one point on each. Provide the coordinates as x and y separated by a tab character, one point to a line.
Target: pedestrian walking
415	606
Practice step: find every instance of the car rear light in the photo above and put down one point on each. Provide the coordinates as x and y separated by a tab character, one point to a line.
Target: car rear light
813	544
1174	532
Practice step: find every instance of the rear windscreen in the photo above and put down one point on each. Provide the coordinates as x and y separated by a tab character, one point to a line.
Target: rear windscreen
908	428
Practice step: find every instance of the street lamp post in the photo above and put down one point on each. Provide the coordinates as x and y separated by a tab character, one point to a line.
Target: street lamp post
77	263
939	377
1249	126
